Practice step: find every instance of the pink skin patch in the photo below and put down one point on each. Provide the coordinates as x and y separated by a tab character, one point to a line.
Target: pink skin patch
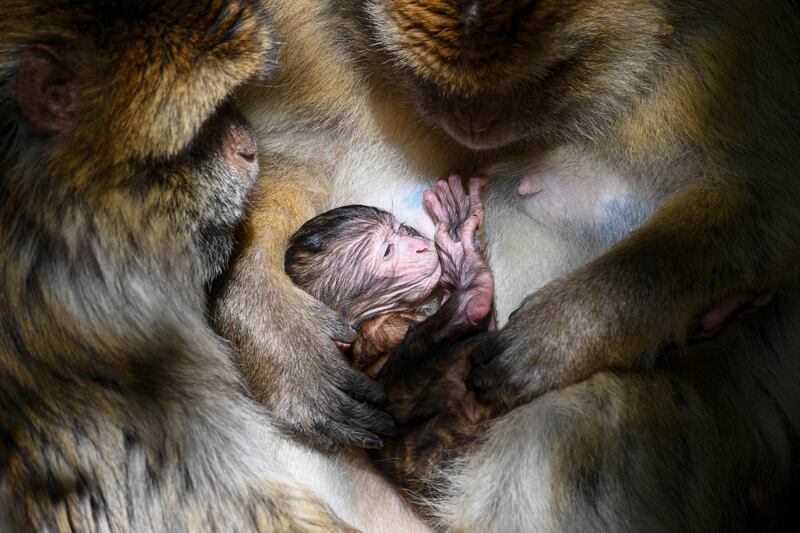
463	266
412	265
531	184
712	320
408	264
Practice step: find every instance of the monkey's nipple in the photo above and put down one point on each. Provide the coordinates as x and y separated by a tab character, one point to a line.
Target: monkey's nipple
531	184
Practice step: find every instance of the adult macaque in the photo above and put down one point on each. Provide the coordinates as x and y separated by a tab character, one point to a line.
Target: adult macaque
125	169
659	137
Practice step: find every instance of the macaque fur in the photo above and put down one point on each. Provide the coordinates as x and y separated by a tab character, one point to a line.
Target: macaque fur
686	106
125	170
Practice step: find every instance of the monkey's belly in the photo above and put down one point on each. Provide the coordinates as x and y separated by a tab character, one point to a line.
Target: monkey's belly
583	197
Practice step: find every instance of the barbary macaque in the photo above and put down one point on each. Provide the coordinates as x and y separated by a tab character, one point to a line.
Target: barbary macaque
662	138
125	170
376	272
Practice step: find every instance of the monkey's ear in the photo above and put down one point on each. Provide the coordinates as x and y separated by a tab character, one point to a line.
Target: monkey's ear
46	89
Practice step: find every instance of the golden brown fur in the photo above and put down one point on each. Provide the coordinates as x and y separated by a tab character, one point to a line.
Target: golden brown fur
119	407
377	337
688	104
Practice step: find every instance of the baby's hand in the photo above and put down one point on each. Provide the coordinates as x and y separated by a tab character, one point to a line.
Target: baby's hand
448	204
463	266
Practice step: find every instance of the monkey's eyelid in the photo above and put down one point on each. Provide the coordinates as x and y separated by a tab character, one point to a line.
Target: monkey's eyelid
409	231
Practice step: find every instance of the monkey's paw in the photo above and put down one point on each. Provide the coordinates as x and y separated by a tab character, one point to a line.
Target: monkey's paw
312	390
534	353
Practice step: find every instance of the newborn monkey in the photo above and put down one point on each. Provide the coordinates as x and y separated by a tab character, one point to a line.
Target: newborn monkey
376	272
381	275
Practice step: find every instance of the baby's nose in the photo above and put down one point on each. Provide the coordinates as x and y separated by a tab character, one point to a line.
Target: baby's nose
416	245
422	246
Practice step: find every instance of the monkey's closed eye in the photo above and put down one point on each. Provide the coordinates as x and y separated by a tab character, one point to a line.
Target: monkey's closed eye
388	251
409	231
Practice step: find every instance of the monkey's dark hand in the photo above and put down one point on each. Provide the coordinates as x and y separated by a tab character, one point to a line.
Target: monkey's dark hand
563	334
296	369
328	401
533	353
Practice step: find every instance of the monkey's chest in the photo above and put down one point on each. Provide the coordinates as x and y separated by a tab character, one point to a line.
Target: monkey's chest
576	209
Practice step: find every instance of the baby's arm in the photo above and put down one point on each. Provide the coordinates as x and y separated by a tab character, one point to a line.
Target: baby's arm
438	416
462	254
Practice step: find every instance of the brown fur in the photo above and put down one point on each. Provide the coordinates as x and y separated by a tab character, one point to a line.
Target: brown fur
119	407
692	103
438	416
377	337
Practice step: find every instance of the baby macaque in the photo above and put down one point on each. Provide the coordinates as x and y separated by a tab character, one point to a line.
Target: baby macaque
376	272
380	275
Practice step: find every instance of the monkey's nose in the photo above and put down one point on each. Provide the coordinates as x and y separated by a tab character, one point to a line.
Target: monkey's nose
475	118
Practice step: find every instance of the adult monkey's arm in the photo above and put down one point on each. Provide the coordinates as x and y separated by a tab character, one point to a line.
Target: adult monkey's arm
285	338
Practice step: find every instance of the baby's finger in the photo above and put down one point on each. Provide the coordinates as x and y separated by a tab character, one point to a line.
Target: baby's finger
475	201
448	200
455	194
457	190
475	186
442	235
468	232
434	206
443	239
455	185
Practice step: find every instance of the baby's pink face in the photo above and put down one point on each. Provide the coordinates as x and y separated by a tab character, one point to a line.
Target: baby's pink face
408	262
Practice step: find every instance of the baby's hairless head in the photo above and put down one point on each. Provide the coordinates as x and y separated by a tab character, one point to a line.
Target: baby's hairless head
361	261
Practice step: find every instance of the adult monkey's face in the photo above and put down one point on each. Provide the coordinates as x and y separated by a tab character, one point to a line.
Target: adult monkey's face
491	72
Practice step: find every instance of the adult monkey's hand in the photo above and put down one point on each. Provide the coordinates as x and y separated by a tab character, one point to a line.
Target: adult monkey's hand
285	339
646	293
